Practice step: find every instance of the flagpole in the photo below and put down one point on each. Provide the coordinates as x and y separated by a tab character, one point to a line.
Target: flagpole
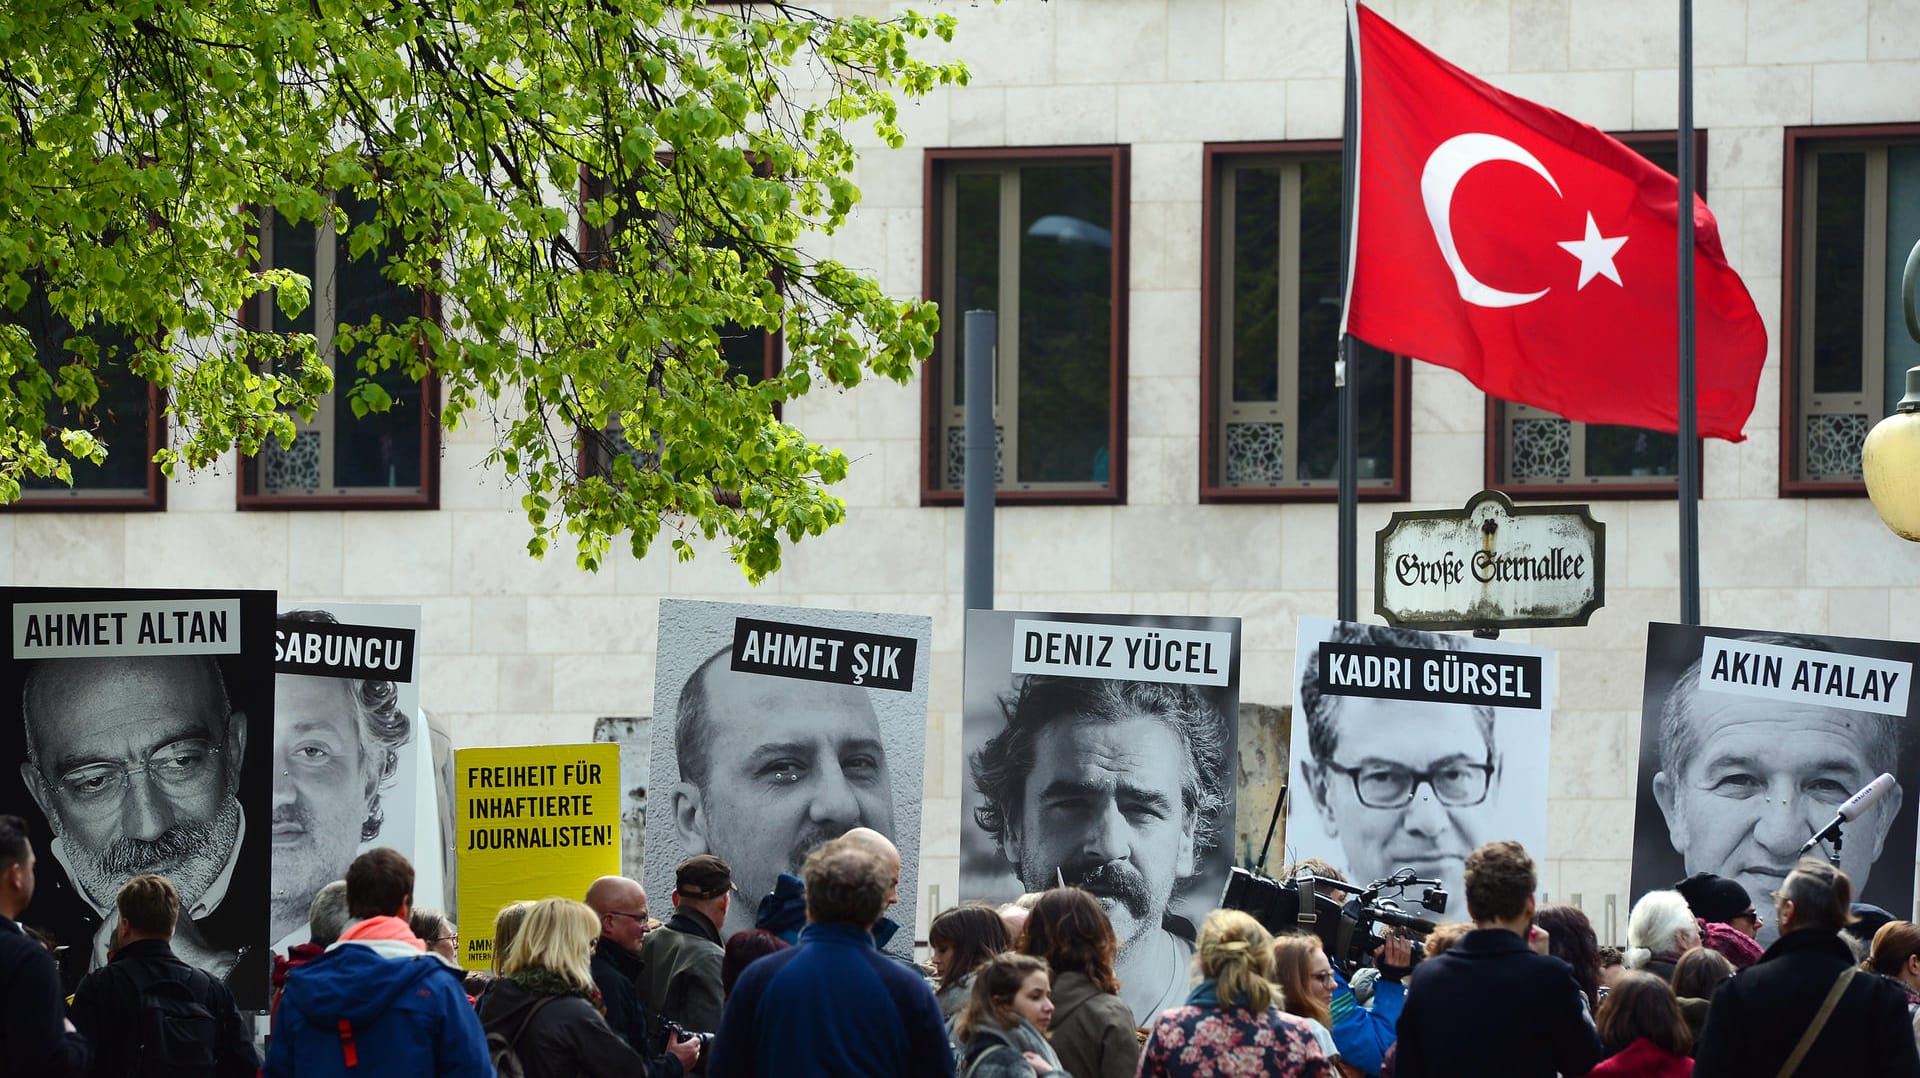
1346	407
1689	408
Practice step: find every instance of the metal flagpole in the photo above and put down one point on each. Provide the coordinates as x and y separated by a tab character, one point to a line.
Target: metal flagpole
1348	413
1689	411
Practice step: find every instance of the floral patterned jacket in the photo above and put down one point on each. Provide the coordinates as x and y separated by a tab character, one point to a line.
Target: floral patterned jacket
1199	1041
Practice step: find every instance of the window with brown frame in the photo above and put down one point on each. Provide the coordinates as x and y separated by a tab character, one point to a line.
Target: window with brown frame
129	417
1532	452
1271	303
1853	213
338	460
1038	236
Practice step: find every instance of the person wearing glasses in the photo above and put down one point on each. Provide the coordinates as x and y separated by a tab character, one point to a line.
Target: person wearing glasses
1116	787
621	905
1418	789
135	762
336	745
1307	983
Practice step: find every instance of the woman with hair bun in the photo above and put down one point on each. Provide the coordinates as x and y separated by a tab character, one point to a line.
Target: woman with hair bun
1232	1023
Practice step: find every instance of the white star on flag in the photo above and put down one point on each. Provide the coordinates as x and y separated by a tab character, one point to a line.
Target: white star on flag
1595	253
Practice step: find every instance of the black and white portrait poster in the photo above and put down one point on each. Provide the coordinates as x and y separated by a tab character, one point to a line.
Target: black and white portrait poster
1411	748
346	748
137	738
1749	740
1101	752
778	728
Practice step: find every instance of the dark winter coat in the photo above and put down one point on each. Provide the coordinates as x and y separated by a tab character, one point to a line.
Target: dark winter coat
1092	1030
614	970
33	1038
680	972
1760	1014
1492	1006
567	1037
106	1010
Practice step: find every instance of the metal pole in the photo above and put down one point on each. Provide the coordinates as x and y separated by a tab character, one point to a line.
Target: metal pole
1689	409
983	328
1348	423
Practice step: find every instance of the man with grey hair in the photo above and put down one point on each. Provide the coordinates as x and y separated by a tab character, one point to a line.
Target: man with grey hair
771	768
1115	786
336	745
135	762
1399	783
1743	782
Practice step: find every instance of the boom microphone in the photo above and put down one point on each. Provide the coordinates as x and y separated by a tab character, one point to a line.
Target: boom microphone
1850	810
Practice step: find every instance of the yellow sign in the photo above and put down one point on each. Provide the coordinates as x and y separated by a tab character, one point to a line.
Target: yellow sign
534	822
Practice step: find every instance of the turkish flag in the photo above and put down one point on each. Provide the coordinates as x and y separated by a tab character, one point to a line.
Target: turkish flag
1533	253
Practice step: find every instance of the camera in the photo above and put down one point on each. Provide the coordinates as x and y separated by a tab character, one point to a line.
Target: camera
1347	928
677	1032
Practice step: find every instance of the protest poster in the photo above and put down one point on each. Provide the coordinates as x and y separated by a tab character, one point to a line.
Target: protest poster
345	749
1101	752
165	698
778	728
1411	748
1750	739
534	821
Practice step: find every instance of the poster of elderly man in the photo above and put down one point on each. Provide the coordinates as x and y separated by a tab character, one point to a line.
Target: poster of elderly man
1101	751
1750	740
137	742
345	746
1412	748
778	728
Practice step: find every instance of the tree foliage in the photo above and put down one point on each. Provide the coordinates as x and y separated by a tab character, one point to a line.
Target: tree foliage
593	188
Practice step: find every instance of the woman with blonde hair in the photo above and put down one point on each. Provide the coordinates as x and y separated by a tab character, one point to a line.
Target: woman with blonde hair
1231	1023
1306	980
544	1002
1002	1031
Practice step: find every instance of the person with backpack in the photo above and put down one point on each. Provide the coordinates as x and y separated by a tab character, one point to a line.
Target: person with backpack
149	1013
543	1016
376	1004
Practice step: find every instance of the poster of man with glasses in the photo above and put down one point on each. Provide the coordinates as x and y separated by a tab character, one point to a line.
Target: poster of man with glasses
1412	748
136	737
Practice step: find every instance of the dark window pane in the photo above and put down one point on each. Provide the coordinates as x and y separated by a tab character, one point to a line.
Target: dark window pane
381	449
1839	258
976	262
1903	229
1256	284
1066	305
1630	451
118	418
293	250
745	351
1319	328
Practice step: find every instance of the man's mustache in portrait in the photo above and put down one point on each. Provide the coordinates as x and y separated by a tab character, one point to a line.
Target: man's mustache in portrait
1116	880
295	815
810	840
130	857
192	855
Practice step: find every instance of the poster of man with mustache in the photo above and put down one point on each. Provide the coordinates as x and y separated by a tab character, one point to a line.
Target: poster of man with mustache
137	728
778	728
1101	753
346	739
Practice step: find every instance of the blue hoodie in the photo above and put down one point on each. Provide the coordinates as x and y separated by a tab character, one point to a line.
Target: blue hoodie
367	1009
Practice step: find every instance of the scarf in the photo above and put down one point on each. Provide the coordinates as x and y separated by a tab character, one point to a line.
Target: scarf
383	928
1207	994
539	981
1738	947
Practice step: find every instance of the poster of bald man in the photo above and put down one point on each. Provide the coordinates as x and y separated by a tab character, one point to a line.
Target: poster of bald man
136	740
346	742
1101	751
1749	742
778	728
1411	748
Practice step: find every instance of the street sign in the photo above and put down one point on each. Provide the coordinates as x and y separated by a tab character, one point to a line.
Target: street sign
1490	565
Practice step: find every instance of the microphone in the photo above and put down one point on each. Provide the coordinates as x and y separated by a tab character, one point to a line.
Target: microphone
1850	810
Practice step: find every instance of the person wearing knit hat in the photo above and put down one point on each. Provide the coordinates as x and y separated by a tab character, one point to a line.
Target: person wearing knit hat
1718	899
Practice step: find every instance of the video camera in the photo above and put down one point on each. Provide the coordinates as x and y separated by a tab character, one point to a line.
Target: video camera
1346	928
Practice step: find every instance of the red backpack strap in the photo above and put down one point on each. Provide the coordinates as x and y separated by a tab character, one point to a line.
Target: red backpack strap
348	1052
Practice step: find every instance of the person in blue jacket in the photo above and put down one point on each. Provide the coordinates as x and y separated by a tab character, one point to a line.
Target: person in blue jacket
1363	1035
376	1003
835	1004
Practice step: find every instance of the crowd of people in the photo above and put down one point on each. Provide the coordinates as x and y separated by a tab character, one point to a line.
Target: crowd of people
597	987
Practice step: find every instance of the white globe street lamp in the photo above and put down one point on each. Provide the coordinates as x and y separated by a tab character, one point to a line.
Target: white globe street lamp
1890	457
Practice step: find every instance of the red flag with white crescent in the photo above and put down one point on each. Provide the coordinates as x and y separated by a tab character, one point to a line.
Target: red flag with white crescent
1533	253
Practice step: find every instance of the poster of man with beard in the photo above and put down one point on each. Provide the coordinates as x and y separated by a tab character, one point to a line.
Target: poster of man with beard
346	741
778	728
140	720
1101	751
